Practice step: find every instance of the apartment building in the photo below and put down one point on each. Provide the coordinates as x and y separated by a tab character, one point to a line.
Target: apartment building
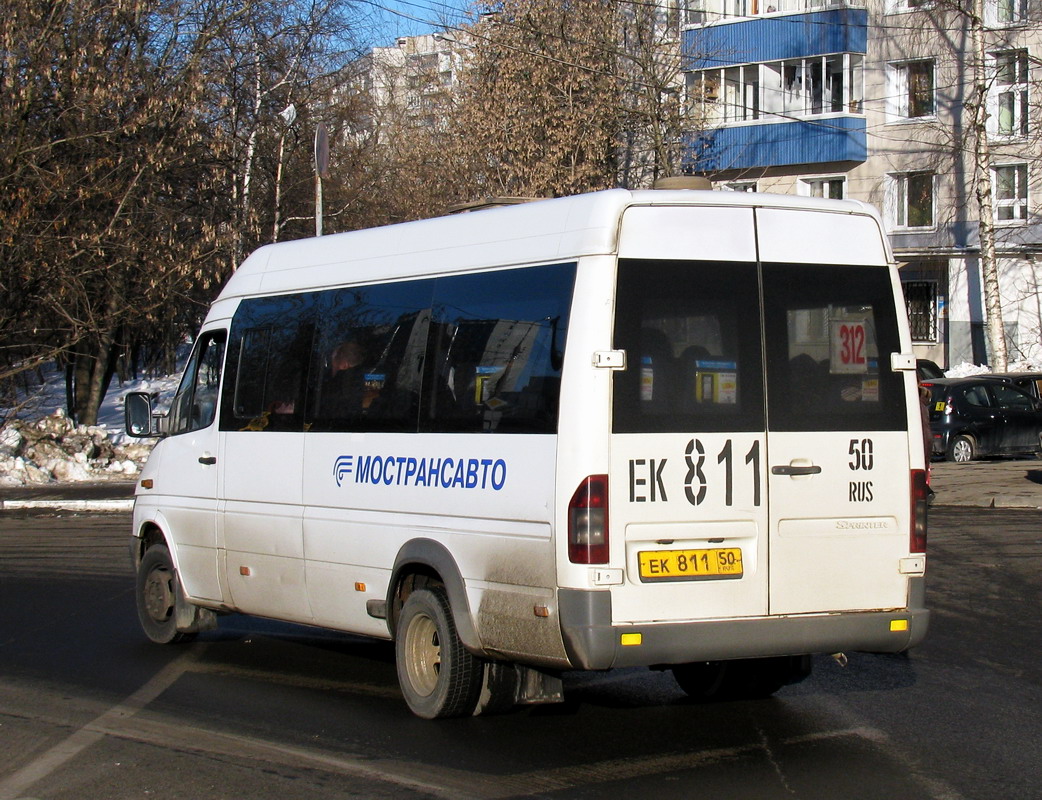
866	99
411	75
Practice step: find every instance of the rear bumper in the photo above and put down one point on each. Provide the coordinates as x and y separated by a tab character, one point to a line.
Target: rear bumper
592	642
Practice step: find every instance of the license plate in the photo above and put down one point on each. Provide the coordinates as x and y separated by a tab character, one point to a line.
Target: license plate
690	565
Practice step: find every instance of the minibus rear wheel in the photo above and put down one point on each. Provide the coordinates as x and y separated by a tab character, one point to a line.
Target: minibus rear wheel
438	677
157	592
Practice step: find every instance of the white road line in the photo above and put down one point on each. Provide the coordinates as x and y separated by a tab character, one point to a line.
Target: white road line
15	785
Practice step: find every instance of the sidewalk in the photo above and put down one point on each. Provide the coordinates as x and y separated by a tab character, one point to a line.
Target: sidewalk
106	495
982	484
1015	483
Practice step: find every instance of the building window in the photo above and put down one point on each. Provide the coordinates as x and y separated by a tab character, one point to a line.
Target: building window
1009	94
739	186
833	188
739	101
1011	193
910	92
692	12
910	200
901	6
1005	12
799	87
701	12
921	302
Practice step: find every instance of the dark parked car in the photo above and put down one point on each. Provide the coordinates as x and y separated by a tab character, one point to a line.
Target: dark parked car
1030	382
925	369
982	416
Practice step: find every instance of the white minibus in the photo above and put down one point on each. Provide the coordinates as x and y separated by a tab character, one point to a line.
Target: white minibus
676	429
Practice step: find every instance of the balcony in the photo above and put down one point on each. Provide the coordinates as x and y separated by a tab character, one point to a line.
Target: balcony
776	37
821	140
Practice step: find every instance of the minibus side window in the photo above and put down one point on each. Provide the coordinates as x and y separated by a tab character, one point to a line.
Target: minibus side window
496	351
691	333
830	331
367	366
195	404
270	350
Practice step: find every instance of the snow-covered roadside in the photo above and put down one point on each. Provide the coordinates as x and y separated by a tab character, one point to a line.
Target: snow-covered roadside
42	445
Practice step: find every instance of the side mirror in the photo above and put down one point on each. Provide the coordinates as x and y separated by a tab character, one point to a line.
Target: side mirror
137	415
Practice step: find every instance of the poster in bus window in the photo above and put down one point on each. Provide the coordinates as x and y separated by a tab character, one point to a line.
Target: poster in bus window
716	382
848	346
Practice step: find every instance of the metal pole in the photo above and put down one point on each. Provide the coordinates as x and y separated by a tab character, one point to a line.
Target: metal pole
318	204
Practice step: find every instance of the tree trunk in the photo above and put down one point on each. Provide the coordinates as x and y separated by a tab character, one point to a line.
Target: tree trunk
985	211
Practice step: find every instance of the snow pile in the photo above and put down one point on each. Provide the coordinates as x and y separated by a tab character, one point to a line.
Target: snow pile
40	444
54	449
967	370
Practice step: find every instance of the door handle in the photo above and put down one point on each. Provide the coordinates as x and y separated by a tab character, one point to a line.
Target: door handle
789	469
207	460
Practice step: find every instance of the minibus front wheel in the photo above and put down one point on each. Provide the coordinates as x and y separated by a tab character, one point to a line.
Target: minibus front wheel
438	677
157	594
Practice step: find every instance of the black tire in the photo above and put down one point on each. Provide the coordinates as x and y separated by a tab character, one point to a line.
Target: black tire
158	590
437	675
961	449
743	679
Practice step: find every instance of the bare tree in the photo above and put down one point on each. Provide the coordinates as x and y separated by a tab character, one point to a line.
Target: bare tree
538	109
138	164
651	143
99	223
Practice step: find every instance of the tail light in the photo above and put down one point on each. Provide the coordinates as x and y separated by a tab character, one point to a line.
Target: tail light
588	522
917	523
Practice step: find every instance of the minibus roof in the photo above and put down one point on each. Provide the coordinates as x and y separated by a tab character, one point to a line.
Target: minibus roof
541	231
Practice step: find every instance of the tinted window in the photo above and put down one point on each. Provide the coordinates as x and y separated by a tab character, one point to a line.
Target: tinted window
195	404
691	332
496	350
1008	397
368	362
973	396
829	333
270	350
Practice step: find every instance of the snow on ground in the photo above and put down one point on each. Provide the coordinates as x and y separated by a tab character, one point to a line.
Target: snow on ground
40	444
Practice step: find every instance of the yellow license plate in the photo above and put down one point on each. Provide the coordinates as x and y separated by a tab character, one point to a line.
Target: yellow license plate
690	565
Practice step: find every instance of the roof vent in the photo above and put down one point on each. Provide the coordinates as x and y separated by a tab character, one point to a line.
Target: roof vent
489	202
684	182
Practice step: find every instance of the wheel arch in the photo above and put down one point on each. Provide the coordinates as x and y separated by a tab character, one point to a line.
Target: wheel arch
421	562
150	533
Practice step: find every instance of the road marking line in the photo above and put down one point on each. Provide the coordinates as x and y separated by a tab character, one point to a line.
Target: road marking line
15	785
429	778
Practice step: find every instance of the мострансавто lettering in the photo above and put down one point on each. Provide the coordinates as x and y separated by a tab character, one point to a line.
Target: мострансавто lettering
444	473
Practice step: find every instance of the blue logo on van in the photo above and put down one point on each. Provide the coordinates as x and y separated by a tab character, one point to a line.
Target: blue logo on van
444	473
342	468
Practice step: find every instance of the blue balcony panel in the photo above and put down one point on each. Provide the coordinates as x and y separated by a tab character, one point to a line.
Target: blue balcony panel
778	144
840	30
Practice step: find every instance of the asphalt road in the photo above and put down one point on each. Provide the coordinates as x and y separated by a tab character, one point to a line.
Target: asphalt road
90	709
